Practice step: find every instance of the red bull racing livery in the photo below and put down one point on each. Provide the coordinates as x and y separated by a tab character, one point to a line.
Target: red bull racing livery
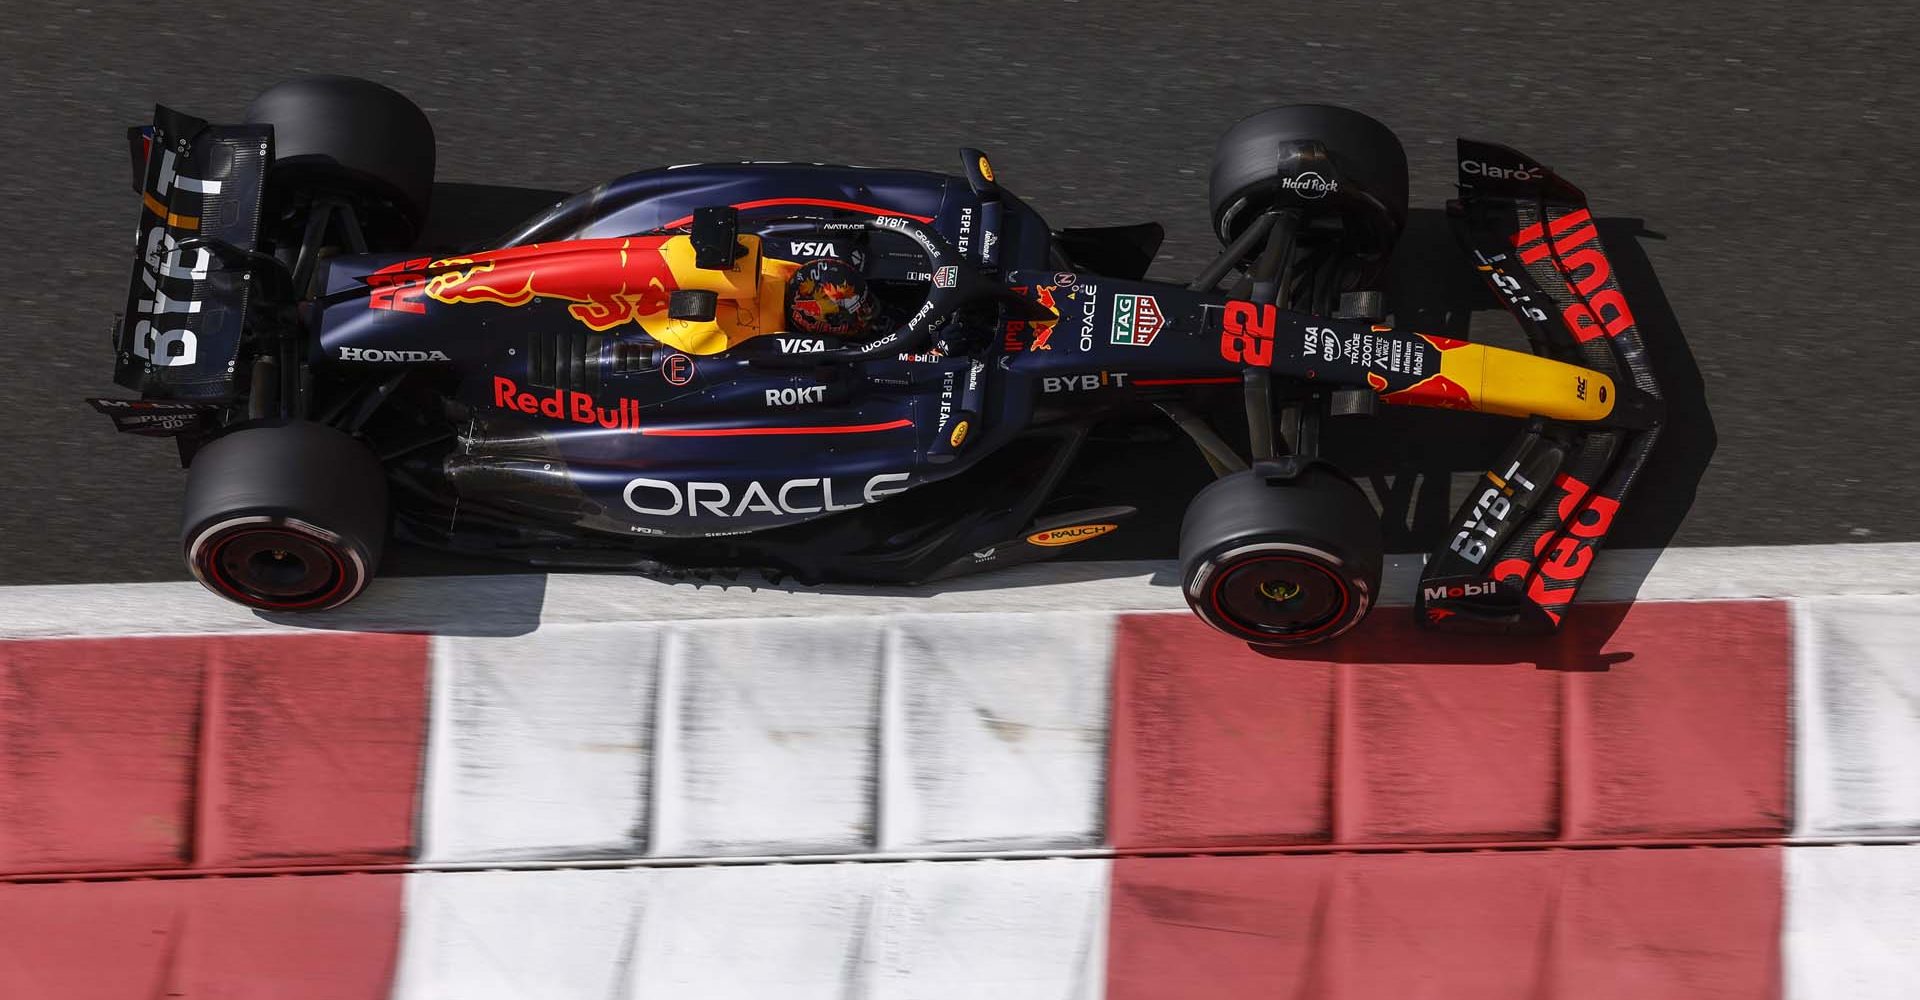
848	374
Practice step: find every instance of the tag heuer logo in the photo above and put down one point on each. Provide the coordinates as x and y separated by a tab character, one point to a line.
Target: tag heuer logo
1136	320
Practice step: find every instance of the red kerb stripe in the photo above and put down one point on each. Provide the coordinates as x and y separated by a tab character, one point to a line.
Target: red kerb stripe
1653	721
330	937
146	753
1650	925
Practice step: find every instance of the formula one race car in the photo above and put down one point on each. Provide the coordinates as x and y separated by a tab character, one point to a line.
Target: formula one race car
846	374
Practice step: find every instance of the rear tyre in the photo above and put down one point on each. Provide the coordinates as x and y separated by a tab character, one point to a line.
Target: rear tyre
285	518
1287	564
1265	160
354	137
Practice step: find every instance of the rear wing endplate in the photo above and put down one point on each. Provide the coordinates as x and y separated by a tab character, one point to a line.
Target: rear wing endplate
180	334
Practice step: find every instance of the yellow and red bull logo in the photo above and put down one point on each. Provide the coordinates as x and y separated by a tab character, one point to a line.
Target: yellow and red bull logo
1033	335
609	281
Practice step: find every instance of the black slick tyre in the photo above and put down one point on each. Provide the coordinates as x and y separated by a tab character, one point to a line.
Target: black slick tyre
1282	564
1258	157
288	517
341	134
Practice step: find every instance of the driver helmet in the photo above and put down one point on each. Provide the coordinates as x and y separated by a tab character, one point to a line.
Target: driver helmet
829	296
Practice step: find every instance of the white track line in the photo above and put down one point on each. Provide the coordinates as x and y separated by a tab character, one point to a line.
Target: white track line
518	603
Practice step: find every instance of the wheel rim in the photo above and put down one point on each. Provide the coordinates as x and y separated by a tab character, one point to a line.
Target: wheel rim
276	564
1280	597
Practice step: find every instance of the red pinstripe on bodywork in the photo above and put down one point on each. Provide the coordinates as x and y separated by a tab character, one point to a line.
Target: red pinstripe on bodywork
774	431
813	202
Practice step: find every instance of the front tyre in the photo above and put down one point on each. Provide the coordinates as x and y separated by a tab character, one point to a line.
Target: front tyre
1258	166
290	517
1282	564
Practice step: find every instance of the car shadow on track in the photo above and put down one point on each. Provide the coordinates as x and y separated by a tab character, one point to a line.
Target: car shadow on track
471	215
502	604
1416	463
1409	456
1392	636
511	604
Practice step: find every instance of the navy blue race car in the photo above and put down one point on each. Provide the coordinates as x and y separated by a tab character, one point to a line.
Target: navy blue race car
846	374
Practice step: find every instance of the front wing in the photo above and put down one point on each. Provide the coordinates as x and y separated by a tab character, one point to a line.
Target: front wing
1528	532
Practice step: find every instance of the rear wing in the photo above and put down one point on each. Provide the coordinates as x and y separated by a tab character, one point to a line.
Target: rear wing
179	337
1527	534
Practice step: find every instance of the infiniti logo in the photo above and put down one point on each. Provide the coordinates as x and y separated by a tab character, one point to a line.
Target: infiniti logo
1310	185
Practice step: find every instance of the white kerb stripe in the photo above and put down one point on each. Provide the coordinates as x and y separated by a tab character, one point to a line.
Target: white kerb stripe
1000	741
1857	707
777	736
777	725
1852	928
539	746
1012	930
540	935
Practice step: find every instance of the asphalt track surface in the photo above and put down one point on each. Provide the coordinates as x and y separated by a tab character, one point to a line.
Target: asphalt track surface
1752	163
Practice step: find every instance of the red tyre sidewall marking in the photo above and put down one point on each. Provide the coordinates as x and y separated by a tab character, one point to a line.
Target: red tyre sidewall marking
212	563
1346	594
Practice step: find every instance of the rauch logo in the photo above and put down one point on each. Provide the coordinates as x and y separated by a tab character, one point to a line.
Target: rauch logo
1070	535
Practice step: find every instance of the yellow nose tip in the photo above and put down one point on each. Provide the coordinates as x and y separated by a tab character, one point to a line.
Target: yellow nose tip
1518	385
